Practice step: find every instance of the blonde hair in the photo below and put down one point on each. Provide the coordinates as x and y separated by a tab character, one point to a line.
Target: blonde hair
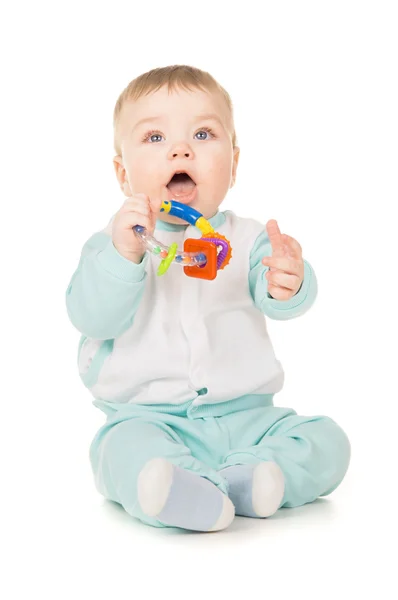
175	77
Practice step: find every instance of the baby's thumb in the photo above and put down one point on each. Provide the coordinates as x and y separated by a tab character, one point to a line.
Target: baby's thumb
156	203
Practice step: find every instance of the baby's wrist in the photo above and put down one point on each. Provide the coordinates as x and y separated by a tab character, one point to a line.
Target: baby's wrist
135	257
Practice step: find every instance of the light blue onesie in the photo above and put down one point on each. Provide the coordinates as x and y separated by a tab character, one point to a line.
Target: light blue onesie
103	299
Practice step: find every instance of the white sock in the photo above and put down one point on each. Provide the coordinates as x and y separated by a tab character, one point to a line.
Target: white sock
180	498
255	490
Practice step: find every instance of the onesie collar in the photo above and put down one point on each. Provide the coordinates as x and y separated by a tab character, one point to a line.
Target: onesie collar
215	221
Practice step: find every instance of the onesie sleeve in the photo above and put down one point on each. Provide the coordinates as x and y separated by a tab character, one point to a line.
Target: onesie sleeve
258	284
105	290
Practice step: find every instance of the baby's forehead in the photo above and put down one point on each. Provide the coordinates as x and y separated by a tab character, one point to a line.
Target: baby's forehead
181	103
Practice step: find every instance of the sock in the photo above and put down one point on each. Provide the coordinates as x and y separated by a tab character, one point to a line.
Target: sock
179	498
255	490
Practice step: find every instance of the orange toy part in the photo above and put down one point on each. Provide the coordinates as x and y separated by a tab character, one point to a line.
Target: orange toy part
209	271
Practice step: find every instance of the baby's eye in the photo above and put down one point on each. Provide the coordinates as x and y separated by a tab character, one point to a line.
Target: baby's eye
154	137
204	134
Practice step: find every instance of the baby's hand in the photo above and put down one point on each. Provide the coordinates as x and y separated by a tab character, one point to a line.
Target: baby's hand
286	265
136	210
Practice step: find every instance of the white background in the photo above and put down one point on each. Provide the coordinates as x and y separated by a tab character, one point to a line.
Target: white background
314	85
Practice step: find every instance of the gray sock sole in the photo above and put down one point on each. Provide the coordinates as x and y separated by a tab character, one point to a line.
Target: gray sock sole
193	502
240	481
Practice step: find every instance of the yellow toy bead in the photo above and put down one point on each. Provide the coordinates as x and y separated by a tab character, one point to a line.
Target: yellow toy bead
165	206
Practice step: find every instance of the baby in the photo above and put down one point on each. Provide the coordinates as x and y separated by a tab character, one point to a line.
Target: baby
184	368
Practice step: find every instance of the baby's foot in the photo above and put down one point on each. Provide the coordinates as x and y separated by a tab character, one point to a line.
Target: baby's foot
180	498
255	490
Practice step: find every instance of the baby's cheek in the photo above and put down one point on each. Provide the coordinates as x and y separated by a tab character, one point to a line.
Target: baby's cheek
220	169
142	176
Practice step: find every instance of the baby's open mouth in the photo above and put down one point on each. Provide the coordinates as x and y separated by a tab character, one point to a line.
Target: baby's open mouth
181	184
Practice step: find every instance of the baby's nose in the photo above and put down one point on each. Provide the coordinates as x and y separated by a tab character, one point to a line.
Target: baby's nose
181	150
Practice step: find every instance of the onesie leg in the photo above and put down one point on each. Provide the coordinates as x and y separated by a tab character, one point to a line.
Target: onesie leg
313	454
146	468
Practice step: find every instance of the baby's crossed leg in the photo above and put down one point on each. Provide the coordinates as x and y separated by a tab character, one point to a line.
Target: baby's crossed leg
147	469
281	459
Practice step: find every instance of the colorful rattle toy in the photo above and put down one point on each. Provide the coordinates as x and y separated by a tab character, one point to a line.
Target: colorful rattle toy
201	258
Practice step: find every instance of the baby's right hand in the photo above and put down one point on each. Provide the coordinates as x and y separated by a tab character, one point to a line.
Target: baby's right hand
136	210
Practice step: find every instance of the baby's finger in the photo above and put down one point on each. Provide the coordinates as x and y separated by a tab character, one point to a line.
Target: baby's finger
142	207
283	280
293	245
135	198
275	237
288	265
279	293
130	220
155	205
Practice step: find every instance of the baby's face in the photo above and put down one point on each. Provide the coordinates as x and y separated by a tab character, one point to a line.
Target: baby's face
179	132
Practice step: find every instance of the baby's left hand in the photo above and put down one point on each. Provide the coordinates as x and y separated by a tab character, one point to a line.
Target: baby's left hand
286	272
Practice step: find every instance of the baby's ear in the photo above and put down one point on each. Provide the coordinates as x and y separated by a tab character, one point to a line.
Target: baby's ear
236	152
121	175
